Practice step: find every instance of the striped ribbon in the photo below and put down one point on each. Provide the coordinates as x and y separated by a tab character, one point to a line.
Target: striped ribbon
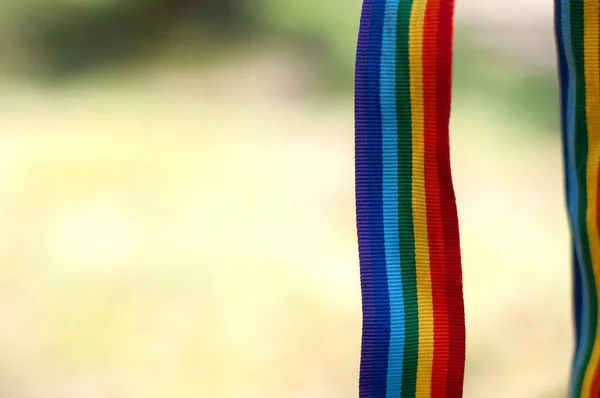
413	313
578	43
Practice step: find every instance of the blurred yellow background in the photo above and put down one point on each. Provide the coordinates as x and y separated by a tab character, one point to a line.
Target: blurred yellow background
177	205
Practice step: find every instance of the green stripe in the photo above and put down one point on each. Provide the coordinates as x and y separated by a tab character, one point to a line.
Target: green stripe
581	155
406	227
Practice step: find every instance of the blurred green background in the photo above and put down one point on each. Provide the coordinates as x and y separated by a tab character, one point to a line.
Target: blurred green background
177	207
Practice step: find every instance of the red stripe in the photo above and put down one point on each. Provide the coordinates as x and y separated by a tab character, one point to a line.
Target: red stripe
452	266
434	215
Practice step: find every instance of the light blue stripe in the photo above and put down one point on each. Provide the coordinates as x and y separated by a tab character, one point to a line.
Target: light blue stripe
390	199
573	199
573	186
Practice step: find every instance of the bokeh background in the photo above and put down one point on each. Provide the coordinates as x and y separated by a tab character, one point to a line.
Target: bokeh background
177	207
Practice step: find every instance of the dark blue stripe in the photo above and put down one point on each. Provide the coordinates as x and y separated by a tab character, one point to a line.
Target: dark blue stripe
370	206
564	82
362	211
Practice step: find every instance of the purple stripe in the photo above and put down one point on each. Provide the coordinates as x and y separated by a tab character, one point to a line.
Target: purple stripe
361	164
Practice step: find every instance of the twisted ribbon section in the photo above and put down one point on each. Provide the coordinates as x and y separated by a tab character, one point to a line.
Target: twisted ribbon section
578	44
413	312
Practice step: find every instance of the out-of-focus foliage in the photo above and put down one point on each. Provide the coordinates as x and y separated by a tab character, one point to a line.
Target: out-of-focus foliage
62	37
329	26
513	88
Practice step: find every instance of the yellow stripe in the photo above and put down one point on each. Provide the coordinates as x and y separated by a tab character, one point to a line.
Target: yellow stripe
592	88
425	301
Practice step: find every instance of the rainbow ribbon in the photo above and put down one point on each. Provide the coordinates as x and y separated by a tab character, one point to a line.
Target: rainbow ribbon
413	312
578	43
